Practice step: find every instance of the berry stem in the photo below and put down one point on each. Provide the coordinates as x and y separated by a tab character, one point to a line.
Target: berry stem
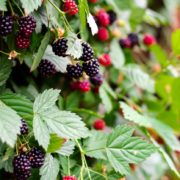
4	53
69	172
12	11
18	7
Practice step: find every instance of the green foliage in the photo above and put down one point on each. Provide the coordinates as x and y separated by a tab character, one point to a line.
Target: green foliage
176	42
3	5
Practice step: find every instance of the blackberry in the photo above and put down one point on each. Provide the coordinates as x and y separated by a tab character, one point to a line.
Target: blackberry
27	25
22	42
46	68
6	25
125	43
22	167
97	80
91	67
75	71
24	128
134	39
112	16
60	47
88	53
36	157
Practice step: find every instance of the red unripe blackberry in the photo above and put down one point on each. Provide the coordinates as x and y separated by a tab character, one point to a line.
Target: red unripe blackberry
91	67
46	68
75	71
93	1
149	39
22	167
125	43
60	47
36	157
24	127
112	16
27	25
22	42
105	60
99	124
97	80
103	34
134	39
88	52
6	25
103	18
69	178
84	86
70	7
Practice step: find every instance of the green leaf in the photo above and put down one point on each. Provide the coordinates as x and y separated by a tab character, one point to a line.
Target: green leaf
55	143
41	131
3	5
73	100
22	105
45	100
59	62
74	46
122	149
30	6
67	149
162	129
175	41
5	70
9	124
41	50
50	168
116	54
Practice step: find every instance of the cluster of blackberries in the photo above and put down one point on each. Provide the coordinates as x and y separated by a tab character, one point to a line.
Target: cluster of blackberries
27	25
6	25
24	162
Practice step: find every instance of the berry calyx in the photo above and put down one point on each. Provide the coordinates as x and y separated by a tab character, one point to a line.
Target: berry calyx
88	52
103	18
60	47
103	34
75	71
91	67
97	80
125	43
69	178
6	25
27	25
46	68
84	86
112	16
24	127
36	157
149	39
133	37
70	7
105	60
99	124
22	42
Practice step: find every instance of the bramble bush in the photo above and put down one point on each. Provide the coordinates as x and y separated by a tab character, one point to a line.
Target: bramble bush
89	89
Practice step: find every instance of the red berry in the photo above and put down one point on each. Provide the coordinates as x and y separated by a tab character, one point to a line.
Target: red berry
70	7
149	39
103	34
99	124
22	42
69	178
105	60
96	89
93	1
84	86
103	18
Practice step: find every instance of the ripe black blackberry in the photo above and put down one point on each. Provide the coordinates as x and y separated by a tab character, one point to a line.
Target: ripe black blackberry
36	157
97	80
60	47
75	71
24	127
88	52
27	25
46	68
112	16
22	42
134	39
91	67
22	167
6	25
